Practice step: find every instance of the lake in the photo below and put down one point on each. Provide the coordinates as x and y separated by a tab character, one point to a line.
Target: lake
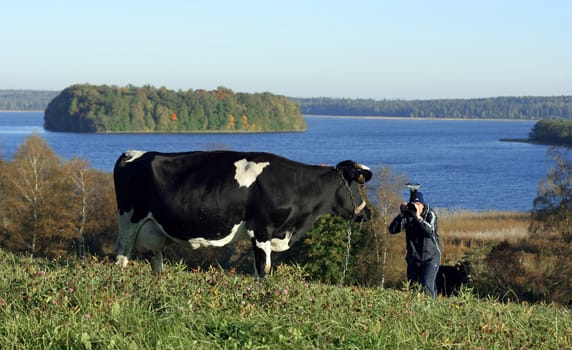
460	164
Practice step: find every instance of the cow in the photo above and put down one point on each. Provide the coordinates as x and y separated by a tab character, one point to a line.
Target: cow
212	198
450	278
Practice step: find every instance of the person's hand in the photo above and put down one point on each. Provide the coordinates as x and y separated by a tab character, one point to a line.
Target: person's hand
419	206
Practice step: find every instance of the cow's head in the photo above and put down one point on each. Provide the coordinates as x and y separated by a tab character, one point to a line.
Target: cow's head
353	176
464	270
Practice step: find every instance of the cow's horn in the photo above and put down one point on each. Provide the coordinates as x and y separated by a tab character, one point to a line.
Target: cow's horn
365	173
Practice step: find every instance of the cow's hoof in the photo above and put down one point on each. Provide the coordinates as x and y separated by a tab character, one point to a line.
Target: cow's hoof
121	261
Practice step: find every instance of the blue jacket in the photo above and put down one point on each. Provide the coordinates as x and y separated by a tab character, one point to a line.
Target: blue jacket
422	237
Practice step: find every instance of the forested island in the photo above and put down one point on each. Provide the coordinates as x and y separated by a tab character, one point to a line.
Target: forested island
101	109
550	107
552	132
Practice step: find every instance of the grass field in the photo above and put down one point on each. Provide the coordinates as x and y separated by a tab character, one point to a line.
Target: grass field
93	305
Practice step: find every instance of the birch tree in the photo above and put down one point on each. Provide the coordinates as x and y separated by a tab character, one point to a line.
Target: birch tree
34	187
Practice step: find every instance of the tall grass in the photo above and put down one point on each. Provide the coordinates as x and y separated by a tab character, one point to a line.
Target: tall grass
487	225
94	305
461	230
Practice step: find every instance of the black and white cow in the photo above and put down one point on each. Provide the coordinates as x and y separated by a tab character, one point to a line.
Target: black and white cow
213	198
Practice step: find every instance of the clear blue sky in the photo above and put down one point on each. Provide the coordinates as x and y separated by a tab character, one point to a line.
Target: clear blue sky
301	48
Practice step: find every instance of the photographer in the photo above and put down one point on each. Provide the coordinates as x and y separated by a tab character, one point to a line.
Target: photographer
421	235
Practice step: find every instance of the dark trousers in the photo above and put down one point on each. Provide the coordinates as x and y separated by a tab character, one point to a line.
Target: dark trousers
425	273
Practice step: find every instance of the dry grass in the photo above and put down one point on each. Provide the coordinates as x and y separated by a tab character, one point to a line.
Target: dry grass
461	230
489	225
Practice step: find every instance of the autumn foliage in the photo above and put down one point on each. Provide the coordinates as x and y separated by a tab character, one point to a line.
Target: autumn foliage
51	207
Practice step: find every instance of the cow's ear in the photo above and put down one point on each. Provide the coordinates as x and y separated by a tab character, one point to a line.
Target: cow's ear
353	171
347	169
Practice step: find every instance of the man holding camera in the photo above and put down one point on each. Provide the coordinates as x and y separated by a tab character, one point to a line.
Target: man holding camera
421	235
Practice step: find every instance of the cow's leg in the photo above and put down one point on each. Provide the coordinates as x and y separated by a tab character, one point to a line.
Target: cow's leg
262	251
157	262
151	239
125	238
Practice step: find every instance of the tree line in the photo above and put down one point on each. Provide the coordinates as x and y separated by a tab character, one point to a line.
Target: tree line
526	107
25	100
556	107
90	108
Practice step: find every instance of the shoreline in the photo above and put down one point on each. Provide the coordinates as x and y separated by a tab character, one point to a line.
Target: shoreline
414	118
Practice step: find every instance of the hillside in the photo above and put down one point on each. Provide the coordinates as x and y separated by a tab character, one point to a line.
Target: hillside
89	108
74	304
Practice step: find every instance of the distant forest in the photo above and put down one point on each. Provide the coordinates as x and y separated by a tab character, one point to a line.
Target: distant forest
536	108
90	108
25	100
557	107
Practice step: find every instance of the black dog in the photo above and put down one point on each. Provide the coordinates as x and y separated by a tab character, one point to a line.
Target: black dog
450	278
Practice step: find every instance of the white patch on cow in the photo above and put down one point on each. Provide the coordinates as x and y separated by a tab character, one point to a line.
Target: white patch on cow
236	233
280	245
267	249
247	172
133	154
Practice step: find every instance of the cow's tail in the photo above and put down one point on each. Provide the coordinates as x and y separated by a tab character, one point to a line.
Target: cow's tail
127	231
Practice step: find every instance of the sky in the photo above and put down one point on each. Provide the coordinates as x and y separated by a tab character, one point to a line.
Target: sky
298	48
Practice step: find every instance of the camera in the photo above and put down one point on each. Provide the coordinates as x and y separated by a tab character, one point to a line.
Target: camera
409	210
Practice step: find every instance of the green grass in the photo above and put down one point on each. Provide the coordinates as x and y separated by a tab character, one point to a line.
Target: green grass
94	305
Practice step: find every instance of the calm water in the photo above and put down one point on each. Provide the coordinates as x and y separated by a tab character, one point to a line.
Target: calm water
461	164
